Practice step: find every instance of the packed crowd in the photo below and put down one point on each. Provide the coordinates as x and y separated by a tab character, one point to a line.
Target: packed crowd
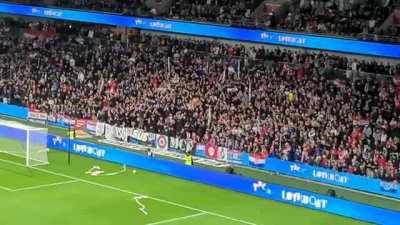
220	11
127	7
358	18
339	17
213	92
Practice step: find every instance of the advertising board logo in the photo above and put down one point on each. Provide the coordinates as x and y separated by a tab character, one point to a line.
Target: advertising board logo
53	13
138	21
304	199
389	187
161	25
331	176
35	10
294	168
261	186
59	142
264	35
291	39
89	150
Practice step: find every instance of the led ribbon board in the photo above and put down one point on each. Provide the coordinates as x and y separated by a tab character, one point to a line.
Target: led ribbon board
215	31
328	176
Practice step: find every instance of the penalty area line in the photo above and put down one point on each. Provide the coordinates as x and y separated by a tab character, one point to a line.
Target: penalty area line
45	185
131	192
5	188
142	206
178	218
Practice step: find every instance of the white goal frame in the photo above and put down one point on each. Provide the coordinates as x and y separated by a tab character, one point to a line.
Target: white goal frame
28	151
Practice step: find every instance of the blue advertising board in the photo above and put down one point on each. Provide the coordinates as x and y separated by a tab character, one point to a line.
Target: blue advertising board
215	31
328	176
13	111
230	182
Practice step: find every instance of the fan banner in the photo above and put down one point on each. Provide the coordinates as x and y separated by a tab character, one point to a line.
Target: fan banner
37	116
141	137
180	145
222	154
91	127
211	151
257	159
162	142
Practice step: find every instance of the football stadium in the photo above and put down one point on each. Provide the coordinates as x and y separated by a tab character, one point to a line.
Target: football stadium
214	112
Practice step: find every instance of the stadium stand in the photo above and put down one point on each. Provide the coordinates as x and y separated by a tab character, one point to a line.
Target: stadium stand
228	11
127	7
346	18
367	20
309	107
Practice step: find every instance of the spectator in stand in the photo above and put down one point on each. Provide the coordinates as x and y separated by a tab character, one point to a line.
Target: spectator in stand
284	103
206	10
339	17
357	18
127	7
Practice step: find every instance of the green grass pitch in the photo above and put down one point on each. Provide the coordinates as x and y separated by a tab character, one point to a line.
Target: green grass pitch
64	194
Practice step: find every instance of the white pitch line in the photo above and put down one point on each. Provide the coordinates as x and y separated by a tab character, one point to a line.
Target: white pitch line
5	188
142	206
45	185
178	218
132	193
203	211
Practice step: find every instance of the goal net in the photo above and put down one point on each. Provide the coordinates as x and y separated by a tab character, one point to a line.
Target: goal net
24	141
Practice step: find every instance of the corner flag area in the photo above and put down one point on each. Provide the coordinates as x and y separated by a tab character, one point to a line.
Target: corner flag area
58	193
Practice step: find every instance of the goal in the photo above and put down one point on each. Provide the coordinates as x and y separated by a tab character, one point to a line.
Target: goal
24	141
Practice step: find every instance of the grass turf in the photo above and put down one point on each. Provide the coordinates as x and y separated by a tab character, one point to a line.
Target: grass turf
64	194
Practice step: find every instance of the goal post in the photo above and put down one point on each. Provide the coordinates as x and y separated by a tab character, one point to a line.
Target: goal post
24	141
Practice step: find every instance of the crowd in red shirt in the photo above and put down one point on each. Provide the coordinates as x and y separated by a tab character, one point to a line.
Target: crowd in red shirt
287	104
